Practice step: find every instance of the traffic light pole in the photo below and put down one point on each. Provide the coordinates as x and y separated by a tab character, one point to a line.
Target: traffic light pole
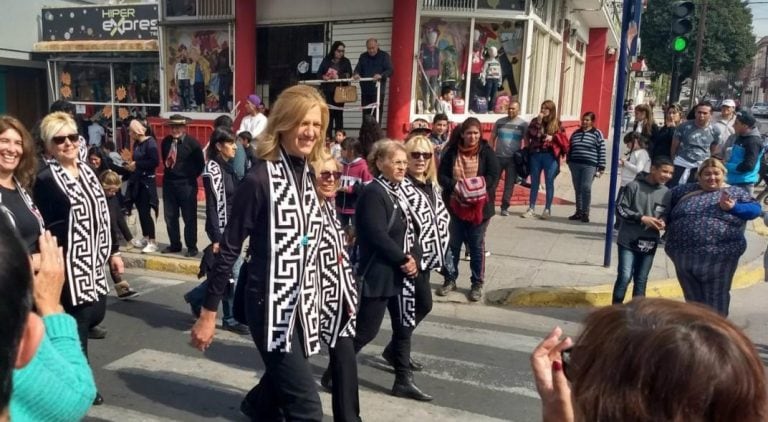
699	44
674	82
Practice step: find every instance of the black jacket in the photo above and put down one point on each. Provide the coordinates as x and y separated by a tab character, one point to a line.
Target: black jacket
487	166
229	180
189	159
661	142
344	70
384	247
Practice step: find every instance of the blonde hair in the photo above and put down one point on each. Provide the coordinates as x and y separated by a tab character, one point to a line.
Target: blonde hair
424	143
287	114
380	150
53	123
712	162
110	179
318	166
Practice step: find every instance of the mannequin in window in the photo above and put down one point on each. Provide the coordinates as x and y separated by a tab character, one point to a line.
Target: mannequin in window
491	75
511	42
449	73
181	71
475	86
429	61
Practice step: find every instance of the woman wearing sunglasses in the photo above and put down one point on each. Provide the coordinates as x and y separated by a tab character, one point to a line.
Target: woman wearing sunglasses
334	66
74	208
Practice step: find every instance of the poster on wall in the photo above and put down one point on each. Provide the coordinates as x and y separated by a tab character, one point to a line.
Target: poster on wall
198	72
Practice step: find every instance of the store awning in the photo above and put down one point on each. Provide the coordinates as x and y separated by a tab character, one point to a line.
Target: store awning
96	46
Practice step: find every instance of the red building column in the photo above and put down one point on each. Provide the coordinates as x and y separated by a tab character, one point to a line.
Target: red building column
402	52
598	78
245	49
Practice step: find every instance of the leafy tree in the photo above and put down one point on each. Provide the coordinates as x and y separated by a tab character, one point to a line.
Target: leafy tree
718	88
728	42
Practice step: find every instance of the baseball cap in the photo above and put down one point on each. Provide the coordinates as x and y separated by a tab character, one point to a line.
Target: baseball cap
419	126
746	118
729	103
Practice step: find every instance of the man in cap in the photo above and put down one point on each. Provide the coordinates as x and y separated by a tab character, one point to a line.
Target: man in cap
255	122
418	127
725	124
183	162
743	162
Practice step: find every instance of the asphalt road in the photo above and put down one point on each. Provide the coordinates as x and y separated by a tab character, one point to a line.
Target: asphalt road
476	360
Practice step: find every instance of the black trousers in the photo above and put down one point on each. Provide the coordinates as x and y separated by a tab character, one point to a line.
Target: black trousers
369	319
423	304
144	208
336	120
287	390
180	195
87	316
509	168
346	400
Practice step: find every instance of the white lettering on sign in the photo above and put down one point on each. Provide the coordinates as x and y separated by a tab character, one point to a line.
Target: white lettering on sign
123	13
126	25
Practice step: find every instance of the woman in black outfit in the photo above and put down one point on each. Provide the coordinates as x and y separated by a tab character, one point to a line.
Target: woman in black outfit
334	66
278	209
389	256
74	208
142	189
661	141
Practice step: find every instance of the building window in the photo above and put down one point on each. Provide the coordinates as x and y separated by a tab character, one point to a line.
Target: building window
441	60
518	5
198	71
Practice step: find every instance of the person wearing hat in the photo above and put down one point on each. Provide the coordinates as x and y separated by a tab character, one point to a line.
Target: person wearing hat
183	163
255	122
418	127
743	162
725	123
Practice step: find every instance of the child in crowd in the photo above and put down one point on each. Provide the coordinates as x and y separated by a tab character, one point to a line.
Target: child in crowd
111	183
640	207
246	140
439	135
637	160
354	176
335	149
444	103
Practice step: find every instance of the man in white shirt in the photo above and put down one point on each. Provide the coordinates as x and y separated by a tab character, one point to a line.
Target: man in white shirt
725	125
255	122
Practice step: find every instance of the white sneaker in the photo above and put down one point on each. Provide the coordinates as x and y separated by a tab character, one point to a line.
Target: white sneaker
545	215
139	243
487	253
528	214
150	248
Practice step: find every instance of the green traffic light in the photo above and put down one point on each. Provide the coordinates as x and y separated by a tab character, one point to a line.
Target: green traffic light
679	44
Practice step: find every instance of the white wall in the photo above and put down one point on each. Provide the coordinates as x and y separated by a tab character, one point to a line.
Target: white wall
269	12
21	27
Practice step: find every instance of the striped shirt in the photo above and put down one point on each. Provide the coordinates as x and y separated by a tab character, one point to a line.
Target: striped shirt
587	147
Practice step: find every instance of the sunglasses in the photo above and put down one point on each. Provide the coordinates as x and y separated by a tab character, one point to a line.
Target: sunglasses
73	137
425	155
326	175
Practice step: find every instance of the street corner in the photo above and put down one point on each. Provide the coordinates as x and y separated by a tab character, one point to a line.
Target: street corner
161	263
601	295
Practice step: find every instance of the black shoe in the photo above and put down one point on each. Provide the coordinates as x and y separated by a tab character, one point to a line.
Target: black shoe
191	253
98	400
476	293
448	286
97	333
575	216
413	365
326	380
236	328
195	309
170	249
585	218
405	387
247	410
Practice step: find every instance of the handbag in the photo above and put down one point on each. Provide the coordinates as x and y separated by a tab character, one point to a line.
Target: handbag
469	198
345	94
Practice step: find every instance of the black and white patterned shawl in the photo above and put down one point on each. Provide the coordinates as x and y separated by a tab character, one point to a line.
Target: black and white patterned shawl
295	227
214	173
338	292
431	219
88	234
407	298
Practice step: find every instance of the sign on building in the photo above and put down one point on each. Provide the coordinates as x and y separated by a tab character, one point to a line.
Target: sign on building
125	22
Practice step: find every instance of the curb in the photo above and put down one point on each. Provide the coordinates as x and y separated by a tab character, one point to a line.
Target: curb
157	263
563	297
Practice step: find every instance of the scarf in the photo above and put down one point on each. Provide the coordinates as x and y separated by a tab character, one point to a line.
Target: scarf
466	162
88	233
407	298
295	226
213	171
338	292
431	221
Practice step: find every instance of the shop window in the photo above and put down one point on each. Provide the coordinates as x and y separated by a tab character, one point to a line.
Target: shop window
84	82
479	73
199	69
539	64
137	83
540	7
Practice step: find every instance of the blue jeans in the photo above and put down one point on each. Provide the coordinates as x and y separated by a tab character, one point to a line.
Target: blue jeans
633	266
491	87
474	236
582	176
196	296
546	162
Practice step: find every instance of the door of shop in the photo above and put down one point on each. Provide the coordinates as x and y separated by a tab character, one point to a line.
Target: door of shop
283	57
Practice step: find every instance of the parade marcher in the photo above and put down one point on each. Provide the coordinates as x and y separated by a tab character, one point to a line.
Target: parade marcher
661	142
354	177
508	133
705	224
695	141
334	66
586	160
746	150
183	161
376	64
467	156
255	122
74	208
220	182
111	182
142	189
639	209
389	260
282	308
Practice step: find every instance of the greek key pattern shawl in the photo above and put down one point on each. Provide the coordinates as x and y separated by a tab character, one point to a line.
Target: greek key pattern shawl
213	172
431	221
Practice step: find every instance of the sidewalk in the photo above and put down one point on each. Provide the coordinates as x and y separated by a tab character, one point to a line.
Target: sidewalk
534	262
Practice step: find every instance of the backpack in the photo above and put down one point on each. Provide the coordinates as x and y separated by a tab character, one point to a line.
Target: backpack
479	104
469	199
501	105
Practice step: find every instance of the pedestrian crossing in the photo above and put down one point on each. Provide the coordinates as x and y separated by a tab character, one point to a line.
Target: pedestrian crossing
477	371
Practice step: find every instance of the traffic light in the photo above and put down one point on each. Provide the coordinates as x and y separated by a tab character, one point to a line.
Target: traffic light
682	16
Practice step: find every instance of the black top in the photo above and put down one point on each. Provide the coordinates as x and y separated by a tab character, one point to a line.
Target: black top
661	142
249	218
146	157
229	179
487	166
368	65
343	68
189	159
385	248
26	224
